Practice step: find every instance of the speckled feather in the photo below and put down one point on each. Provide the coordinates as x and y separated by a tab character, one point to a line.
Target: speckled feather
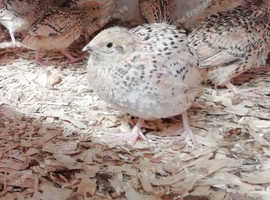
54	31
231	42
149	72
18	15
155	11
214	6
94	14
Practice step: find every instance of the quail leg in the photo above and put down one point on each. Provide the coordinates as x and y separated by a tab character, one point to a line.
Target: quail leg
132	136
135	134
12	38
250	92
38	60
186	131
247	93
187	128
70	57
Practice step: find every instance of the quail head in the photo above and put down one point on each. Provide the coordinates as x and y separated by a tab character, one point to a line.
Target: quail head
231	42
148	71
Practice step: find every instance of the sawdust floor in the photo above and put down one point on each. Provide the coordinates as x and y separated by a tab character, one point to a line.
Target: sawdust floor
58	141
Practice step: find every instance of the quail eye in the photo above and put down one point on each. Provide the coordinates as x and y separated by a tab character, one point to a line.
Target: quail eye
109	45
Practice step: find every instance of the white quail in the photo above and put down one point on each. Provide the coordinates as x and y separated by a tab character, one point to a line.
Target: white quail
148	71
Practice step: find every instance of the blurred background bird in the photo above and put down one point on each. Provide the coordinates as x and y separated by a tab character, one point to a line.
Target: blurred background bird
56	30
54	25
233	41
153	10
193	16
19	15
94	14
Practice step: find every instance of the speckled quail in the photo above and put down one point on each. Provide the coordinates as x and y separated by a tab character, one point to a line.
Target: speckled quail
148	71
231	42
56	30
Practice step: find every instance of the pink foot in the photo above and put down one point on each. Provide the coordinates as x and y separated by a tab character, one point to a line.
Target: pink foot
186	131
246	93
131	137
70	57
136	133
38	60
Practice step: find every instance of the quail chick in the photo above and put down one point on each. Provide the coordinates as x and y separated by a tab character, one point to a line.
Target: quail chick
231	42
157	11
54	31
18	15
148	71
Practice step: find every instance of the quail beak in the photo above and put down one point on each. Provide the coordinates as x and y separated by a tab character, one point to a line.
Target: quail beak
87	48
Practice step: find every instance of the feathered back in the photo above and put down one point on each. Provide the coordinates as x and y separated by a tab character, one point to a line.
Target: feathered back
157	11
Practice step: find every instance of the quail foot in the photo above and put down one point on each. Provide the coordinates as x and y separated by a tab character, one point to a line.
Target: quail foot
148	71
54	31
231	42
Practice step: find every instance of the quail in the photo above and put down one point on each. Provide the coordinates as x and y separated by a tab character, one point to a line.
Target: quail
56	30
231	42
148	71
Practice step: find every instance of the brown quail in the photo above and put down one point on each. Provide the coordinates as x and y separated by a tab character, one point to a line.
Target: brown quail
231	42
56	30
